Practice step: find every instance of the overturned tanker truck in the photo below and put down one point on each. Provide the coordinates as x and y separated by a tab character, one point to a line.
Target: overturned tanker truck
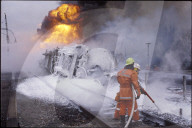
94	58
80	61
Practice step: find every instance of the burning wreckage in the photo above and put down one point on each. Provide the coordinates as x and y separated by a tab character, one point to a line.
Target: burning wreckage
62	25
79	61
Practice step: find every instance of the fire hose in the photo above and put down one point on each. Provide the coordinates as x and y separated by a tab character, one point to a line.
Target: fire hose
133	106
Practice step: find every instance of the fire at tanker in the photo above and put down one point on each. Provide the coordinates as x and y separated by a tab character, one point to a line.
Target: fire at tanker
62	25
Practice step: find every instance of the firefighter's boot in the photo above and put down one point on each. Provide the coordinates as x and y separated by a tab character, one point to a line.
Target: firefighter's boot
122	121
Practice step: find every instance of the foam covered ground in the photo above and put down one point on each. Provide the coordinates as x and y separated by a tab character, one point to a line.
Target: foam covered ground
168	94
90	94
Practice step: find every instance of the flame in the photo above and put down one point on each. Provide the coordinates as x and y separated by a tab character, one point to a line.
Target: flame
66	12
65	24
64	33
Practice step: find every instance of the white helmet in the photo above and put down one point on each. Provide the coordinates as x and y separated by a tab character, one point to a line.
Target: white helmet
136	65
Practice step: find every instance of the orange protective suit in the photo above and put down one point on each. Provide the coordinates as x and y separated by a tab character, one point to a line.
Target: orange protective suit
126	77
117	98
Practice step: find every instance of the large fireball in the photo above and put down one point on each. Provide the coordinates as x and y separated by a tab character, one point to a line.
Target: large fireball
62	25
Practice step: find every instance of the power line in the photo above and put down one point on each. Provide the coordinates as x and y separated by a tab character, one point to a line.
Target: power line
11	33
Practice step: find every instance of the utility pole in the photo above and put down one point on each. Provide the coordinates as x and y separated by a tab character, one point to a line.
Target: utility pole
7	34
148	53
146	74
6	27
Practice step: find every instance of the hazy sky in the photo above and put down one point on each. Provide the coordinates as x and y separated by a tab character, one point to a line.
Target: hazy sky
24	17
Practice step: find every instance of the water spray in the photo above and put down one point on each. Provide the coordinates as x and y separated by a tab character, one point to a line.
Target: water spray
151	99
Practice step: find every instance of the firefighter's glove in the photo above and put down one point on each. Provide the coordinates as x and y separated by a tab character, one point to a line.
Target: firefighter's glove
138	94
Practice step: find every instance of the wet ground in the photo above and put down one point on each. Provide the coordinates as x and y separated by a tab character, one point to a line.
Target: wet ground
71	116
38	113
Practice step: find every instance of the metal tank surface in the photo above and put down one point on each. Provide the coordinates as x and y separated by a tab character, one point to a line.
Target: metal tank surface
80	61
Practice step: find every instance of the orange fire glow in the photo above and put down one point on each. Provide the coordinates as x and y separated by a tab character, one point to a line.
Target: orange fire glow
66	26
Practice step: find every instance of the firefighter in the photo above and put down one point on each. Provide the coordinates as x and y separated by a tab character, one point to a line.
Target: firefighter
137	67
117	98
126	78
116	115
